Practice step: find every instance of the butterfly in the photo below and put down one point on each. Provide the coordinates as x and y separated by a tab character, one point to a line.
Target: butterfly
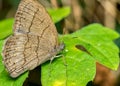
34	41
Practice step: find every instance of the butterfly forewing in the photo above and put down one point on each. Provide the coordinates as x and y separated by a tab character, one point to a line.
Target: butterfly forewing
34	41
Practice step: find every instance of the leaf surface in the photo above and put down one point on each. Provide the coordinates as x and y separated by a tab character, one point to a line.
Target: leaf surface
83	48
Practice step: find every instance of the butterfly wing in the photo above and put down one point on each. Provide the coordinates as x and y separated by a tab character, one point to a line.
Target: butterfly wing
32	18
34	41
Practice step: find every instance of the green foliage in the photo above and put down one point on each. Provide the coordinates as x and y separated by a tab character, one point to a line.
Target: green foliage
98	40
6	80
59	14
78	64
1	65
6	28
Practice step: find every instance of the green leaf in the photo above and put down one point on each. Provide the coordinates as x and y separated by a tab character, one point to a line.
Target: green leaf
1	64
59	14
1	45
6	80
6	28
83	48
95	31
98	40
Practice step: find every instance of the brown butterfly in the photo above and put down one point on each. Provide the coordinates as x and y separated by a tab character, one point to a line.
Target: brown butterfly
34	41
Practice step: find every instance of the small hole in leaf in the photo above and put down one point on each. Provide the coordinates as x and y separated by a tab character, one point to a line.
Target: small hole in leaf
82	48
